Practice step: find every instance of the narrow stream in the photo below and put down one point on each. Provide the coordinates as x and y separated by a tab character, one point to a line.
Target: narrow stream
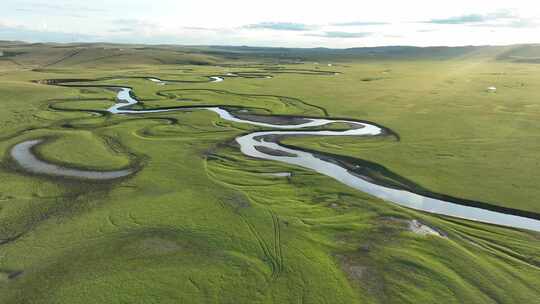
165	82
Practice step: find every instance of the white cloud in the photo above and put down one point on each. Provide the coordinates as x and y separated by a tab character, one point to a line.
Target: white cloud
339	23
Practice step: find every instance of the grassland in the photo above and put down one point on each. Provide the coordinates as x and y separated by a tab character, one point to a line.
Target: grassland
202	223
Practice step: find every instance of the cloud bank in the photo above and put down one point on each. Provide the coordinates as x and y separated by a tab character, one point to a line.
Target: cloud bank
340	24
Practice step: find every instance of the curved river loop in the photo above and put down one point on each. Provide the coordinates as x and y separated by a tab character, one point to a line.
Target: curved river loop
265	145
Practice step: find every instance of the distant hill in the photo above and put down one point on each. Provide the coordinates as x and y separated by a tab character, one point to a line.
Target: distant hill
522	53
387	52
43	55
529	53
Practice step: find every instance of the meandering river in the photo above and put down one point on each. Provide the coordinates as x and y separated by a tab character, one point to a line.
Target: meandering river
25	157
265	145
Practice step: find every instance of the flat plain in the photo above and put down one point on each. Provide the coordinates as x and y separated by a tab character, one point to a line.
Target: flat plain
199	222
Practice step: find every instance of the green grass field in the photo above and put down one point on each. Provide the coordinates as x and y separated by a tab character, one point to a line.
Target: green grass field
202	223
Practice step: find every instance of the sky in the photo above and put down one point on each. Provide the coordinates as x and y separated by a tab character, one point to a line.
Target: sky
278	23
